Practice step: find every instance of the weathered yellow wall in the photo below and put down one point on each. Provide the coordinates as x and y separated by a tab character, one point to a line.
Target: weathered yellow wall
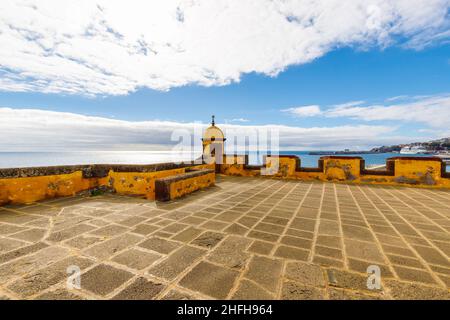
342	169
139	183
183	187
31	189
421	173
237	170
426	172
202	166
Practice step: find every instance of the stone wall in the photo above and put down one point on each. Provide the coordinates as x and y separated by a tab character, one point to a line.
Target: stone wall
411	171
27	185
173	187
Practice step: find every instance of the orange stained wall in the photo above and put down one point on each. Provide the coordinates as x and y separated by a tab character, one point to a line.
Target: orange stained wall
31	189
186	186
35	188
408	172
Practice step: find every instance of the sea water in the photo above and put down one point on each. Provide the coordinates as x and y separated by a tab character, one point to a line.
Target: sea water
36	159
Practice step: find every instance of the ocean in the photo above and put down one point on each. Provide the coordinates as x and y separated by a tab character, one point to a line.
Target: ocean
35	159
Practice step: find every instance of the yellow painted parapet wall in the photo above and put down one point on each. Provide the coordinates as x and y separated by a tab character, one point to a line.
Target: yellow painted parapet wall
28	185
411	171
177	186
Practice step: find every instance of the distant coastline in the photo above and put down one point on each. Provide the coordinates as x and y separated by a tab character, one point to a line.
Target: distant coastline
36	159
334	153
434	147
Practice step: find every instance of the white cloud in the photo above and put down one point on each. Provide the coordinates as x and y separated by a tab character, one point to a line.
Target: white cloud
39	130
240	120
433	111
305	111
349	104
98	47
397	98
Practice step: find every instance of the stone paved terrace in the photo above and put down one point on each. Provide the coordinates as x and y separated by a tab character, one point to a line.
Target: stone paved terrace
244	238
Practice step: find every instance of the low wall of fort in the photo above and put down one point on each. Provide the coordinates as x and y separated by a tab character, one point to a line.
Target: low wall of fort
27	185
406	171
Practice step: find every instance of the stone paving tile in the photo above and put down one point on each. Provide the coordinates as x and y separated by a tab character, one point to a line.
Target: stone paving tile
247	290
304	273
432	256
261	247
214	225
31	235
6	229
27	263
144	229
292	253
440	269
296	242
177	262
329	241
247	239
22	251
59	294
301	234
208	239
103	279
263	236
178	295
361	267
445	279
295	291
405	261
265	272
398	250
340	294
347	280
330	228
217	284
68	222
162	234
17	218
132	221
187	235
44	278
9	244
69	232
106	249
136	259
82	241
231	253
355	232
160	245
329	252
109	231
236	229
414	275
415	291
140	289
363	250
174	228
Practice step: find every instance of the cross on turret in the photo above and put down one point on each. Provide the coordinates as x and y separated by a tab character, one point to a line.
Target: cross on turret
213	122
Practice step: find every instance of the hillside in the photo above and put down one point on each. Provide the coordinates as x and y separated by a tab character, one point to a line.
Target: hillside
435	145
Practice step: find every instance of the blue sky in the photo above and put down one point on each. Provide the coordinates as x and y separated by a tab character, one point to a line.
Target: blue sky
380	75
339	77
